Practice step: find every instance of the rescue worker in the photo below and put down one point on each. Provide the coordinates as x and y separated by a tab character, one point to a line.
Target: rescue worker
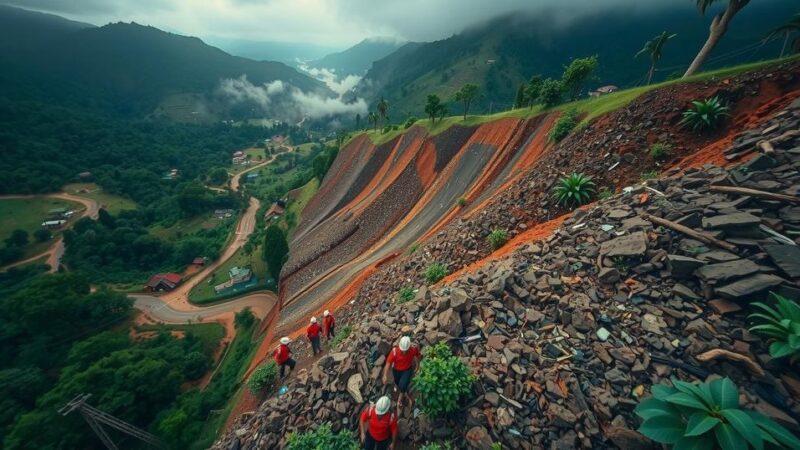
404	361
378	426
282	356
313	331
328	325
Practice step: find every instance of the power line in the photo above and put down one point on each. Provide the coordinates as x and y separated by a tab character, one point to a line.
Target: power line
96	419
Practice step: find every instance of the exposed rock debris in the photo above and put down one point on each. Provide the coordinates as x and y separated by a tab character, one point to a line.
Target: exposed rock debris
566	334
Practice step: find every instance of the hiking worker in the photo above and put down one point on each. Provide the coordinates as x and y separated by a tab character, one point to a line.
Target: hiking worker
404	361
282	355
328	325
313	331
380	432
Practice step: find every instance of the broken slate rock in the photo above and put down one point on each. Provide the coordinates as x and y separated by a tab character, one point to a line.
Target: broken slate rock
722	272
634	244
608	275
749	286
735	220
787	257
682	266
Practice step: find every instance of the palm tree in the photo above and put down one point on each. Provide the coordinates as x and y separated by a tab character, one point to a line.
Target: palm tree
792	26
719	25
654	47
373	119
383	108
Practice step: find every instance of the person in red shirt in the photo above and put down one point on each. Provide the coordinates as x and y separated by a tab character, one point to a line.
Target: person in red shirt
313	331
404	361
378	427
282	356
328	325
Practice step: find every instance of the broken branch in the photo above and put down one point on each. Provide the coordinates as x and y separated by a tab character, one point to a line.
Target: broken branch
731	356
755	193
702	237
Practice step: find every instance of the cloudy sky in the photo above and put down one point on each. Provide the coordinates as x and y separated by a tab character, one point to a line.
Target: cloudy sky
324	22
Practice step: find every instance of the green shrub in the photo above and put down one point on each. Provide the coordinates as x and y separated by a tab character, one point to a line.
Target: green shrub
649	175
497	238
781	325
410	121
341	335
704	114
405	295
435	272
323	438
706	416
244	318
413	248
462	202
437	446
442	381
660	150
605	193
563	126
263	377
574	190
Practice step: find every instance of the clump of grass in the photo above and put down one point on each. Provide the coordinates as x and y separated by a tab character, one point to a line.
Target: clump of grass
435	272
497	238
462	202
574	190
649	175
660	150
605	193
563	126
341	336
405	295
705	114
413	248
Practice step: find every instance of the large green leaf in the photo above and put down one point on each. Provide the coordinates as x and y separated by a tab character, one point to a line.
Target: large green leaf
694	389
725	394
794	341
769	330
700	422
687	400
745	426
780	349
654	407
663	429
728	438
661	391
780	434
774	314
705	442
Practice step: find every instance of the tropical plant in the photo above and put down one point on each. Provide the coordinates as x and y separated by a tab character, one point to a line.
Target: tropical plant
707	416
442	381
576	73
462	202
574	190
373	119
323	438
497	238
533	90
466	95
719	25
781	325
704	114
550	92
262	377
435	108
787	29
654	47
405	295
435	272
563	125
660	150
383	109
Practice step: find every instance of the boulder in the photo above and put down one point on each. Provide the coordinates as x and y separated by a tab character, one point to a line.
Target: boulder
450	323
478	438
354	384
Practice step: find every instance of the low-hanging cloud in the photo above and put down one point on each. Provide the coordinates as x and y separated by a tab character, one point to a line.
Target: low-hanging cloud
283	101
331	79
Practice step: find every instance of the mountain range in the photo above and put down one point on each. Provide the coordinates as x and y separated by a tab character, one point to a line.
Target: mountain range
357	59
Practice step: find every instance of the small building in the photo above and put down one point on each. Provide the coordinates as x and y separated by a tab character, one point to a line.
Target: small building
53	224
603	90
85	175
161	282
274	211
250	177
238	277
171	175
57	212
238	153
223	213
199	261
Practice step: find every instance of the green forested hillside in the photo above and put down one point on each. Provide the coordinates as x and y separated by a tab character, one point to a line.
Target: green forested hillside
357	59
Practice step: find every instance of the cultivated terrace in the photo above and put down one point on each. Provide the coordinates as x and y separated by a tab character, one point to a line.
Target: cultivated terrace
566	335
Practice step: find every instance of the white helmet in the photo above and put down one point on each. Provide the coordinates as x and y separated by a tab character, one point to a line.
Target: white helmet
326	313
313	320
383	405
285	340
405	343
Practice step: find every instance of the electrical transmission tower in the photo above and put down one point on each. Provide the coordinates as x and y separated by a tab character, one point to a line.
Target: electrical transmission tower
96	419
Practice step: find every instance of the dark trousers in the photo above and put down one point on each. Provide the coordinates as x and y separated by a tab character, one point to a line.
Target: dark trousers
315	345
331	332
289	362
372	444
402	378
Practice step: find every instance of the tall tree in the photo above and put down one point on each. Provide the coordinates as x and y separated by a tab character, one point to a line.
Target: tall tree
434	108
718	28
654	47
519	102
551	92
466	95
787	29
373	119
275	250
576	73
383	108
533	90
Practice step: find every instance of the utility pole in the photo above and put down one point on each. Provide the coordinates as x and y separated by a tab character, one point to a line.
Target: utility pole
96	419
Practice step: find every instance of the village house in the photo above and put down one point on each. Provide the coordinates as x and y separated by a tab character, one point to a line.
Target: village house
161	282
604	90
237	277
53	224
223	213
274	211
199	261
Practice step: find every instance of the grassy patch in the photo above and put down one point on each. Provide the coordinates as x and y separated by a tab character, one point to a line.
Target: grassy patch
296	206
405	295
341	335
435	272
204	291
110	202
210	334
186	227
28	214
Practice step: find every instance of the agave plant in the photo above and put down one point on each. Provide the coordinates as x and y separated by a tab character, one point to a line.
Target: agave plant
781	324
707	416
705	114
574	190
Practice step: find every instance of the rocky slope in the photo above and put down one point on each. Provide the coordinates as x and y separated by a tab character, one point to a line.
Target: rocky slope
574	329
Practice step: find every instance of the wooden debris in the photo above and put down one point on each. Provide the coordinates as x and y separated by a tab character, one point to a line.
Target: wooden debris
731	356
702	237
756	193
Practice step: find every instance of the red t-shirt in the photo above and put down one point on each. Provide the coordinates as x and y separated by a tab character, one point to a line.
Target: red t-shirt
281	355
382	427
328	323
402	361
313	330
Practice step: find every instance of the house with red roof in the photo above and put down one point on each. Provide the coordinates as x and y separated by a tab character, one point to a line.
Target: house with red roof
161	282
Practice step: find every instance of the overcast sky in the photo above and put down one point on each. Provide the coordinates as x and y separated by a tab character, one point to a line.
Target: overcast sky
326	22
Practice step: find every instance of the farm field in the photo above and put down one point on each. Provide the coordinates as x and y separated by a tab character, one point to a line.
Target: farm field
28	214
110	202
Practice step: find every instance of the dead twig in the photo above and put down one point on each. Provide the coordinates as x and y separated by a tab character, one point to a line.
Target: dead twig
731	356
756	193
702	237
